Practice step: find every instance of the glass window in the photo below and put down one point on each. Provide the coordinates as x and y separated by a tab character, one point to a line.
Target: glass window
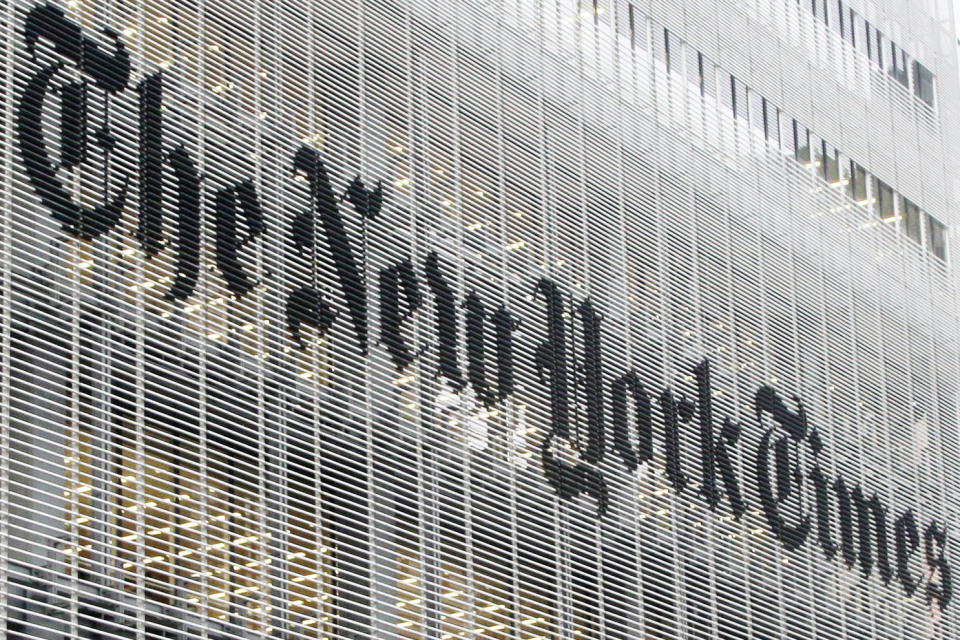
708	76
819	8
835	15
923	83
740	108
831	164
801	136
910	224
857	187
771	123
694	70
756	109
674	48
883	194
936	237
861	29
850	27
819	153
639	29
725	88
898	64
788	139
625	20
660	44
878	49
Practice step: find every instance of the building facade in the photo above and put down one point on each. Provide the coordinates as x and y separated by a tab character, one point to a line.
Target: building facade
499	319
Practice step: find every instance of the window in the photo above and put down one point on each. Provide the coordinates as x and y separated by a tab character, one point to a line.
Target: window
857	187
660	51
884	206
801	136
819	155
898	64
861	31
771	123
674	49
936	237
831	164
923	83
850	28
819	8
788	138
910	225
708	76
639	29
756	110
725	89
740	108
875	45
835	15
878	41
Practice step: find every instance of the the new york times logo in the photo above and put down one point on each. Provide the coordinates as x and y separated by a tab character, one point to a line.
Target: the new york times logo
593	412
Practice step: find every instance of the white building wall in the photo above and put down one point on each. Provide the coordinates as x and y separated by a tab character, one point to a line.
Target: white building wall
181	465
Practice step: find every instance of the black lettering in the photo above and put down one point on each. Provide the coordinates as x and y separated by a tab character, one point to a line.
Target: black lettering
871	509
396	282
675	411
569	480
935	547
845	505
593	381
187	182
715	451
306	306
324	203
109	72
907	539
855	505
188	225
74	103
628	387
367	203
239	202
822	489
788	476
504	325
150	224
447	326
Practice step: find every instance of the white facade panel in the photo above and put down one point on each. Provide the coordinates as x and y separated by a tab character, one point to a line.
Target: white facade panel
504	319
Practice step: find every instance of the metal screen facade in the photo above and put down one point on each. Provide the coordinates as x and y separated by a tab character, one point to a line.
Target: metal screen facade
510	319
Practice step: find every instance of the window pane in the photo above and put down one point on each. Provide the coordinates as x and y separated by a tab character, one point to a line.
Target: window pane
910	225
660	44
819	163
740	99
923	83
884	200
802	144
878	47
708	76
787	136
756	110
936	237
640	29
725	88
857	189
674	52
771	123
831	164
